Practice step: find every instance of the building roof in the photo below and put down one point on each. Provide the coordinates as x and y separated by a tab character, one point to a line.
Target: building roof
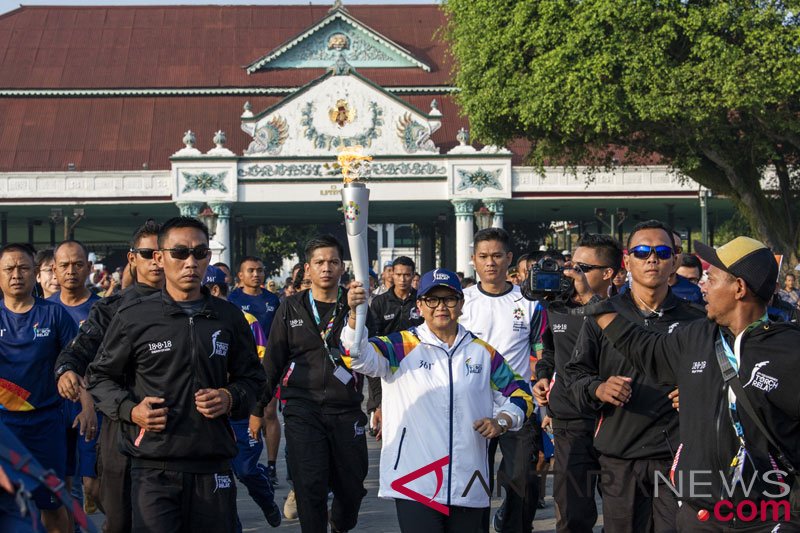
68	47
116	87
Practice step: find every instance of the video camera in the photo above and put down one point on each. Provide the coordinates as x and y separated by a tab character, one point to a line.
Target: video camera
546	281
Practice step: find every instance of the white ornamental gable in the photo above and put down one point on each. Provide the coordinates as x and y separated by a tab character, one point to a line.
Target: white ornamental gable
337	111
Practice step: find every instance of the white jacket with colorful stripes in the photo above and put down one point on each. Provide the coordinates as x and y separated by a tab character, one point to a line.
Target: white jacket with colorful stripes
432	395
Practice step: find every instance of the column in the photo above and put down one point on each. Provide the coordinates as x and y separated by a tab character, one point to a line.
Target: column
464	233
390	237
495	205
426	248
379	230
704	196
190	209
223	233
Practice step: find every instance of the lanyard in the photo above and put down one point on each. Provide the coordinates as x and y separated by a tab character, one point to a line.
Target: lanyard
326	333
737	463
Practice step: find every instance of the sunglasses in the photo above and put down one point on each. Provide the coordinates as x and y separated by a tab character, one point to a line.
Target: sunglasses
181	253
584	267
644	252
434	301
146	253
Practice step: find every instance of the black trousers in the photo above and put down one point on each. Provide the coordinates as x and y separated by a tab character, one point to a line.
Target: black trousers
114	477
575	479
166	501
688	522
326	450
517	475
415	517
629	505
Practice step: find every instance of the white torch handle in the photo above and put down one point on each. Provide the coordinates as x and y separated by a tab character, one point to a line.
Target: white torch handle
355	201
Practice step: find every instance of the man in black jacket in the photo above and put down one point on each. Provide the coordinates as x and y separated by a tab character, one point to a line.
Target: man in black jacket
576	465
324	424
637	428
113	468
172	367
720	442
394	310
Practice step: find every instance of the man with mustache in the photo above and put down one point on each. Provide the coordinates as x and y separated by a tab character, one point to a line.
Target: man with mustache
174	366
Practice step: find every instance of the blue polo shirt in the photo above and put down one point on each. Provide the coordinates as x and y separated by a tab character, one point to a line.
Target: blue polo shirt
263	307
29	345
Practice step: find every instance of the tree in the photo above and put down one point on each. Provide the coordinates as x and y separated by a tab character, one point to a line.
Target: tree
277	243
710	88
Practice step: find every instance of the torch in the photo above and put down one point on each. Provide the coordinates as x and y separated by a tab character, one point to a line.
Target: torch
355	205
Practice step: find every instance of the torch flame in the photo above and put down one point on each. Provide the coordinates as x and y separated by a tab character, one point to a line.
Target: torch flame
353	163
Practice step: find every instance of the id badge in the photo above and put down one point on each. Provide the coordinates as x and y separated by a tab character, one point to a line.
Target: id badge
342	374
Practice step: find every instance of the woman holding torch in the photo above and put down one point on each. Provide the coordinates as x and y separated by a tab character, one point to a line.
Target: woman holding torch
441	386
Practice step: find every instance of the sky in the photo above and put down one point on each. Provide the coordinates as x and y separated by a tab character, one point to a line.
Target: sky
8	5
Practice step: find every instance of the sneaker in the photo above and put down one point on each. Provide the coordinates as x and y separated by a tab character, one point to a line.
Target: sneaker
497	522
274	516
290	507
273	475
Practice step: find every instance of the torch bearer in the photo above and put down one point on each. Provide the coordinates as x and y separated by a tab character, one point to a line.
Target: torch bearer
355	204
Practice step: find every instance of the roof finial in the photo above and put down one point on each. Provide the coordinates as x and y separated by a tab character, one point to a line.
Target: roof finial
189	139
463	136
337	6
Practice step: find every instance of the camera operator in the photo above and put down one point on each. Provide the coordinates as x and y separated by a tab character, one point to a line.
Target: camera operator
637	428
747	433
599	257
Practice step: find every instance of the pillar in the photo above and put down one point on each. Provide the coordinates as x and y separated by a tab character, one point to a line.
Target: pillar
426	248
3	228
464	233
379	229
223	233
704	195
390	236
495	205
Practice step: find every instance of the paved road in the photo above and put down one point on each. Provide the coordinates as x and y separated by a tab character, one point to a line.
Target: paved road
377	516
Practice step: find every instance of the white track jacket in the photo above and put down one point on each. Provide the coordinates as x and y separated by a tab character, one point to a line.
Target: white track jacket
432	394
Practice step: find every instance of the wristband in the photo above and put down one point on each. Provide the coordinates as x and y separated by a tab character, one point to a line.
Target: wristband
230	400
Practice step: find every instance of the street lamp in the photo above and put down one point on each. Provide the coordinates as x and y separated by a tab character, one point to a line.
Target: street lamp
208	217
483	218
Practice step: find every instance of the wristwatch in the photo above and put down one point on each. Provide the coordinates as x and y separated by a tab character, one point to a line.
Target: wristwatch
503	423
60	371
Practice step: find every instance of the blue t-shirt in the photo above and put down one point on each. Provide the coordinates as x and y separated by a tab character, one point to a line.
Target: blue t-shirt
263	306
80	312
29	345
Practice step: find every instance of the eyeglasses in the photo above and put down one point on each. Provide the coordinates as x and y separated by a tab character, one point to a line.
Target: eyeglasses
181	253
644	252
146	253
588	268
434	301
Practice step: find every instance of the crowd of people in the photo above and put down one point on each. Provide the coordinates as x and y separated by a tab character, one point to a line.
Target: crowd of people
658	381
